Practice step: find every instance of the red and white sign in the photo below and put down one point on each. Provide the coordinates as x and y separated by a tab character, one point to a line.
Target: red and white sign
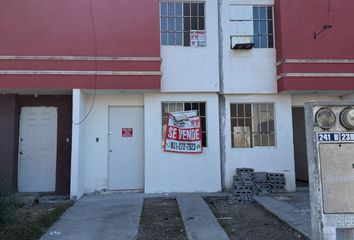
183	133
127	132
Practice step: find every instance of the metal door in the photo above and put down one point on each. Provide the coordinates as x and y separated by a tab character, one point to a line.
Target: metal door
37	149
126	148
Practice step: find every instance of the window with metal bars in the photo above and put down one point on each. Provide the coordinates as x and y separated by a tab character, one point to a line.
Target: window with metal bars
263	36
178	19
252	125
168	107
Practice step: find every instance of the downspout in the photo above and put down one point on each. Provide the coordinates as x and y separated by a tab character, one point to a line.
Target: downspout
222	113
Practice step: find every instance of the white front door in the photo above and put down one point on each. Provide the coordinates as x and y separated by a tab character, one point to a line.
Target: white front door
37	149
126	148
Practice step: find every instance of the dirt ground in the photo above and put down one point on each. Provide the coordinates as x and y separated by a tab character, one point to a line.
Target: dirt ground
161	219
250	221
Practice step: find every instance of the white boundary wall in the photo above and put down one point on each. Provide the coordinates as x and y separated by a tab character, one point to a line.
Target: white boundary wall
278	159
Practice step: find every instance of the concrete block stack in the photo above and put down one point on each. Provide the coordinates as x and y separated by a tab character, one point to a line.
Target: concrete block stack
242	188
248	183
262	185
277	181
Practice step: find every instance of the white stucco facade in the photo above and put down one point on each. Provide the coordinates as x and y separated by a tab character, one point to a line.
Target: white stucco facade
190	69
172	172
280	158
215	75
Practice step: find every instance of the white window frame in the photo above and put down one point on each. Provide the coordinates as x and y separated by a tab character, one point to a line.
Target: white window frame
254	124
185	34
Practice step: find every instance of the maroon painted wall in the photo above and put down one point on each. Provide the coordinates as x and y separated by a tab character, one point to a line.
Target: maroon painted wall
295	24
124	28
296	21
63	27
9	124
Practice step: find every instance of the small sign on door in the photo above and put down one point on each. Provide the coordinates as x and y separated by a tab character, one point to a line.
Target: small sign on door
127	132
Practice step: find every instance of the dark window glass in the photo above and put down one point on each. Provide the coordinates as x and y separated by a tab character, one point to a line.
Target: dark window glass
186	9
187	39
194	9
179	24
171	25
262	13
201	9
263	27
270	13
187	24
187	106
171	39
171	9
264	41
270	27
255	13
178	9
201	23
270	41
194	23
256	27
256	41
179	38
163	9
163	24
164	38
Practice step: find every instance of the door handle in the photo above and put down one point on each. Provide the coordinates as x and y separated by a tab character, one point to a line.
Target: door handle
21	153
110	150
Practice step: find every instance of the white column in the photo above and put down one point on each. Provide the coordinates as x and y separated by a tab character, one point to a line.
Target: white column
75	146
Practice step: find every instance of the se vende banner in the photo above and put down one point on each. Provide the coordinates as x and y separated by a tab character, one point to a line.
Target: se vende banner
183	133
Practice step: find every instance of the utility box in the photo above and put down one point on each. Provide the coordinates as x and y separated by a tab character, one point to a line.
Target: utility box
330	150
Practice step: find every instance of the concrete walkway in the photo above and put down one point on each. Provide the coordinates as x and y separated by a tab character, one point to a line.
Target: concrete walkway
117	216
198	219
292	208
100	217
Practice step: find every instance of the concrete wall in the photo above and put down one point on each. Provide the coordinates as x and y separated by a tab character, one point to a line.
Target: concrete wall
78	154
271	159
245	71
172	172
96	126
188	69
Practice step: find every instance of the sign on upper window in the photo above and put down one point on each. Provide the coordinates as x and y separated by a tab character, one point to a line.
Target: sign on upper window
182	23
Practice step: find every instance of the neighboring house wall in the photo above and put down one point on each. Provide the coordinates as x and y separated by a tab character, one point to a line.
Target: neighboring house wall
10	116
190	69
309	64
9	125
64	106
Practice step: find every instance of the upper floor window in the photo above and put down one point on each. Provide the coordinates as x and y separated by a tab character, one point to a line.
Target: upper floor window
180	22
263	27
